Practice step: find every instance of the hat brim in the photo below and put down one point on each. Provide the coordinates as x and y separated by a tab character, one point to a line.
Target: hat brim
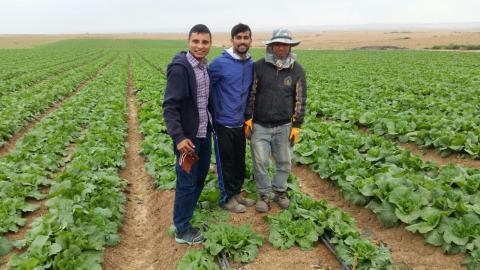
290	42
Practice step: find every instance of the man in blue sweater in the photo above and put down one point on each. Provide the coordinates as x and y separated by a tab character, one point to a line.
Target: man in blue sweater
232	75
188	111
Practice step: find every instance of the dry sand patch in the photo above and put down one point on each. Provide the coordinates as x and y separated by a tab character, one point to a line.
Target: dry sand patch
337	40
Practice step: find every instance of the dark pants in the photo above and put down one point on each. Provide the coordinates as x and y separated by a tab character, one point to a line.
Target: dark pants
189	186
230	158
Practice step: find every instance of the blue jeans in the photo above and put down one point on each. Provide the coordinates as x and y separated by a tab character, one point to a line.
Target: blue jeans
190	186
272	141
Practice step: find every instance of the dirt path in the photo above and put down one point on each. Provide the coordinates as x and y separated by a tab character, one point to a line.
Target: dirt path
148	211
10	144
407	248
434	155
430	154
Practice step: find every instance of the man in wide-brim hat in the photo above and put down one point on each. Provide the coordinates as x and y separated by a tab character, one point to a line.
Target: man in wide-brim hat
282	35
279	48
275	112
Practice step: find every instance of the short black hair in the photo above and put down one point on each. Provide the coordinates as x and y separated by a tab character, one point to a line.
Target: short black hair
240	28
199	28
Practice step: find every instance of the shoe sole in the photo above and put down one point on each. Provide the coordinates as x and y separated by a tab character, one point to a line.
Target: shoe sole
247	205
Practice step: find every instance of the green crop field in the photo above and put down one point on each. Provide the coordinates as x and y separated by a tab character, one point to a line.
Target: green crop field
65	184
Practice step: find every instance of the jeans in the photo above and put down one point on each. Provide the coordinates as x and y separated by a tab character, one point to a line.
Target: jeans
190	186
272	141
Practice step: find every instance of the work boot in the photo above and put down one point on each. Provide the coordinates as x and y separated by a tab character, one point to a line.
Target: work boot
233	206
281	199
263	203
244	201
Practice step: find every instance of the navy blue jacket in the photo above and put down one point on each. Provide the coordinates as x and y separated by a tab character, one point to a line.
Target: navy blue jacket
180	110
231	81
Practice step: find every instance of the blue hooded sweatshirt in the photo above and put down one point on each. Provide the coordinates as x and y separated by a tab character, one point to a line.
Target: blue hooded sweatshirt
231	81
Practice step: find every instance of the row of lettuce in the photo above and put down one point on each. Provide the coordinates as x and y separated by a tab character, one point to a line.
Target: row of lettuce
15	63
429	98
19	107
302	224
84	205
441	203
26	74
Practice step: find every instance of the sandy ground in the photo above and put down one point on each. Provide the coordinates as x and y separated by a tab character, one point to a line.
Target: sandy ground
434	155
148	211
415	39
145	243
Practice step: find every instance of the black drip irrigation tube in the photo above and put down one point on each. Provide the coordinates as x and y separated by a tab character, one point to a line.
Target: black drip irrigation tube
223	261
326	241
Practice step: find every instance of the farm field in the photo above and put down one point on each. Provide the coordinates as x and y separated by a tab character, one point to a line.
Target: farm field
388	164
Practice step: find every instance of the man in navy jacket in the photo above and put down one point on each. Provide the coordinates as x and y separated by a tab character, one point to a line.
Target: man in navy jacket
232	75
275	113
187	110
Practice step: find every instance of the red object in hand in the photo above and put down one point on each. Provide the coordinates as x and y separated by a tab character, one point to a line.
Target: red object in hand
187	160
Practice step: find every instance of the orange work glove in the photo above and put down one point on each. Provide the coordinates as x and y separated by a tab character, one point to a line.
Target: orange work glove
248	128
294	136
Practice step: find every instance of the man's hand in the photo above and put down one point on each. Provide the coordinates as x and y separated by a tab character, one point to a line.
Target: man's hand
294	136
186	146
248	128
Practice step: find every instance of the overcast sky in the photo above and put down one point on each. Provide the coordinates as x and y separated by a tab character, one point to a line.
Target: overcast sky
100	16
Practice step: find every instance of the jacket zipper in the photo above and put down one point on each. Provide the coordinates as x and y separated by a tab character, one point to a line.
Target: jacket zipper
243	93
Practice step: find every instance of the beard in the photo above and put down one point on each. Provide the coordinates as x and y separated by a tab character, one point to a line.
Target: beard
241	49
